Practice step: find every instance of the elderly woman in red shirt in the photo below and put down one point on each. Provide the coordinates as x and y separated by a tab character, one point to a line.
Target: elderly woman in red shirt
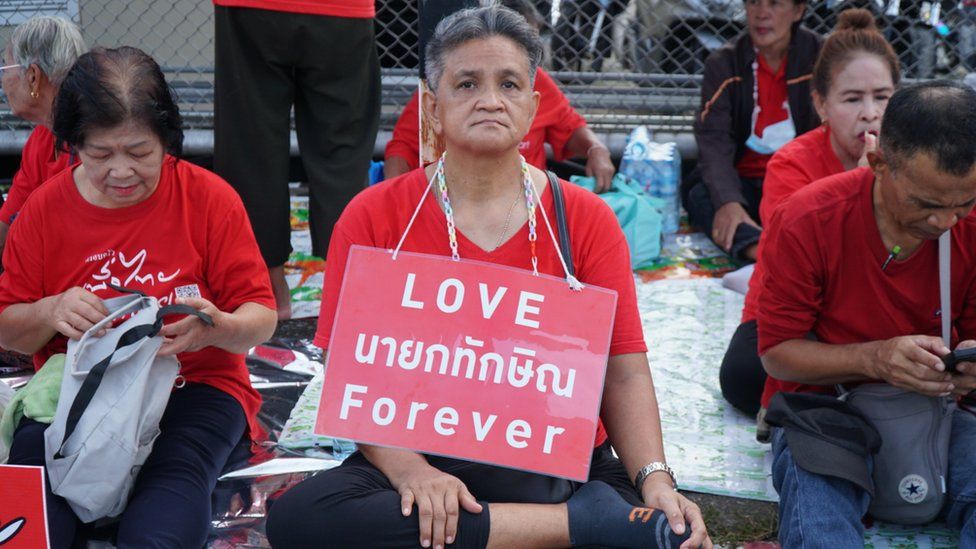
35	61
131	213
481	65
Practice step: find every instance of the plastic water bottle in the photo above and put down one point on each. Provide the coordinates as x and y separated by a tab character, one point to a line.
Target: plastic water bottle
342	448
657	168
666	161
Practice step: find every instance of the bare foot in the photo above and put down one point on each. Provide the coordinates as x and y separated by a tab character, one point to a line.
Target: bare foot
281	291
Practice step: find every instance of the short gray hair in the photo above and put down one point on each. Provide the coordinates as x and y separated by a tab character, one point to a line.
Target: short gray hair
480	24
52	43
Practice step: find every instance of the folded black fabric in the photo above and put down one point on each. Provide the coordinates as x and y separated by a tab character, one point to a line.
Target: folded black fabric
826	435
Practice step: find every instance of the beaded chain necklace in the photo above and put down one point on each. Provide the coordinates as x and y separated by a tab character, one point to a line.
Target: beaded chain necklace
532	198
449	211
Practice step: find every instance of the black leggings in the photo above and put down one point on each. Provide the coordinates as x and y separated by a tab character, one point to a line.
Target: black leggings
742	376
354	505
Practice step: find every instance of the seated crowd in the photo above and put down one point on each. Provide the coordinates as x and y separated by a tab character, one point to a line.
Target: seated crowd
813	164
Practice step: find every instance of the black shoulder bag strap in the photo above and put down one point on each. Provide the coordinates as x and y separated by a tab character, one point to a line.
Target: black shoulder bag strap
95	375
559	204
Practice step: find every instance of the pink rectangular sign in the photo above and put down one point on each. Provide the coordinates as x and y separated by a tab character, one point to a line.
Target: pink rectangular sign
467	359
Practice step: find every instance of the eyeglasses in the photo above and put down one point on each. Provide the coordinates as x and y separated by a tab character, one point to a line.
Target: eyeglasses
5	67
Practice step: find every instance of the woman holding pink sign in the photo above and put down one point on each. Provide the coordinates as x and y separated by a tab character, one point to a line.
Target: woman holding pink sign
488	205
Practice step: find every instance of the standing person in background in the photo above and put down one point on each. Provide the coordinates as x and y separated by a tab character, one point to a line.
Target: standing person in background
755	98
856	73
35	61
321	58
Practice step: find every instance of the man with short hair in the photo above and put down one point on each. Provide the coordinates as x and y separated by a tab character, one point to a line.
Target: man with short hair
857	266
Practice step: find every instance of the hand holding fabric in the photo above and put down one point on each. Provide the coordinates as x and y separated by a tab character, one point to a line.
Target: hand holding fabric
727	220
190	333
74	312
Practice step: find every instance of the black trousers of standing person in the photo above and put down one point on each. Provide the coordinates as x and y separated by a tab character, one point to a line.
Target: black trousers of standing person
701	211
354	505
327	67
742	376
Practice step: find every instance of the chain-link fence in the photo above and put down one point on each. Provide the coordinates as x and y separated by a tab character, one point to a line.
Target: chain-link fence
621	62
628	62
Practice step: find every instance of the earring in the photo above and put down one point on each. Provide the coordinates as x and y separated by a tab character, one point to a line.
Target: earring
34	94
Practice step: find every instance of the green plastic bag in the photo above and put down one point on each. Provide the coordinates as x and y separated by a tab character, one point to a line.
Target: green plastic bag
639	215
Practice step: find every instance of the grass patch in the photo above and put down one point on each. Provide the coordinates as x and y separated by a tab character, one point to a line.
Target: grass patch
732	521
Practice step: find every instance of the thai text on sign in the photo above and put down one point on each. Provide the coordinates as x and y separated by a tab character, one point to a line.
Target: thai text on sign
467	359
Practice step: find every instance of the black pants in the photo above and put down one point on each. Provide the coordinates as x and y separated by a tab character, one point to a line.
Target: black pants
742	376
170	502
701	211
354	505
267	61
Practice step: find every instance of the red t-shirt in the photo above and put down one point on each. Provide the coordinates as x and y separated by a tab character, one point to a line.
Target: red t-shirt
554	123
357	9
191	234
827	251
38	163
378	216
772	96
800	162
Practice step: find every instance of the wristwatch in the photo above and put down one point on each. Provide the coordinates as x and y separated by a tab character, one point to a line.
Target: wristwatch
651	468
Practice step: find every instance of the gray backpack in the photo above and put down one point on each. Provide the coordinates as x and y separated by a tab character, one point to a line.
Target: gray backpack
113	394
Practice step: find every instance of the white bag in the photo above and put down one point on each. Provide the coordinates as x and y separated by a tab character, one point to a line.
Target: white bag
113	395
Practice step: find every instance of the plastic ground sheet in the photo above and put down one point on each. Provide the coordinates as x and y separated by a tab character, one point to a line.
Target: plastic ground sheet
303	271
687	326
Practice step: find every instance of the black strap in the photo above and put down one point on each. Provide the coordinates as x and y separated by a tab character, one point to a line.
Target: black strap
170	310
559	204
94	378
124	290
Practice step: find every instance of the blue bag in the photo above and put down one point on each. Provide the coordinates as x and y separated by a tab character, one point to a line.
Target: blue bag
375	172
639	215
